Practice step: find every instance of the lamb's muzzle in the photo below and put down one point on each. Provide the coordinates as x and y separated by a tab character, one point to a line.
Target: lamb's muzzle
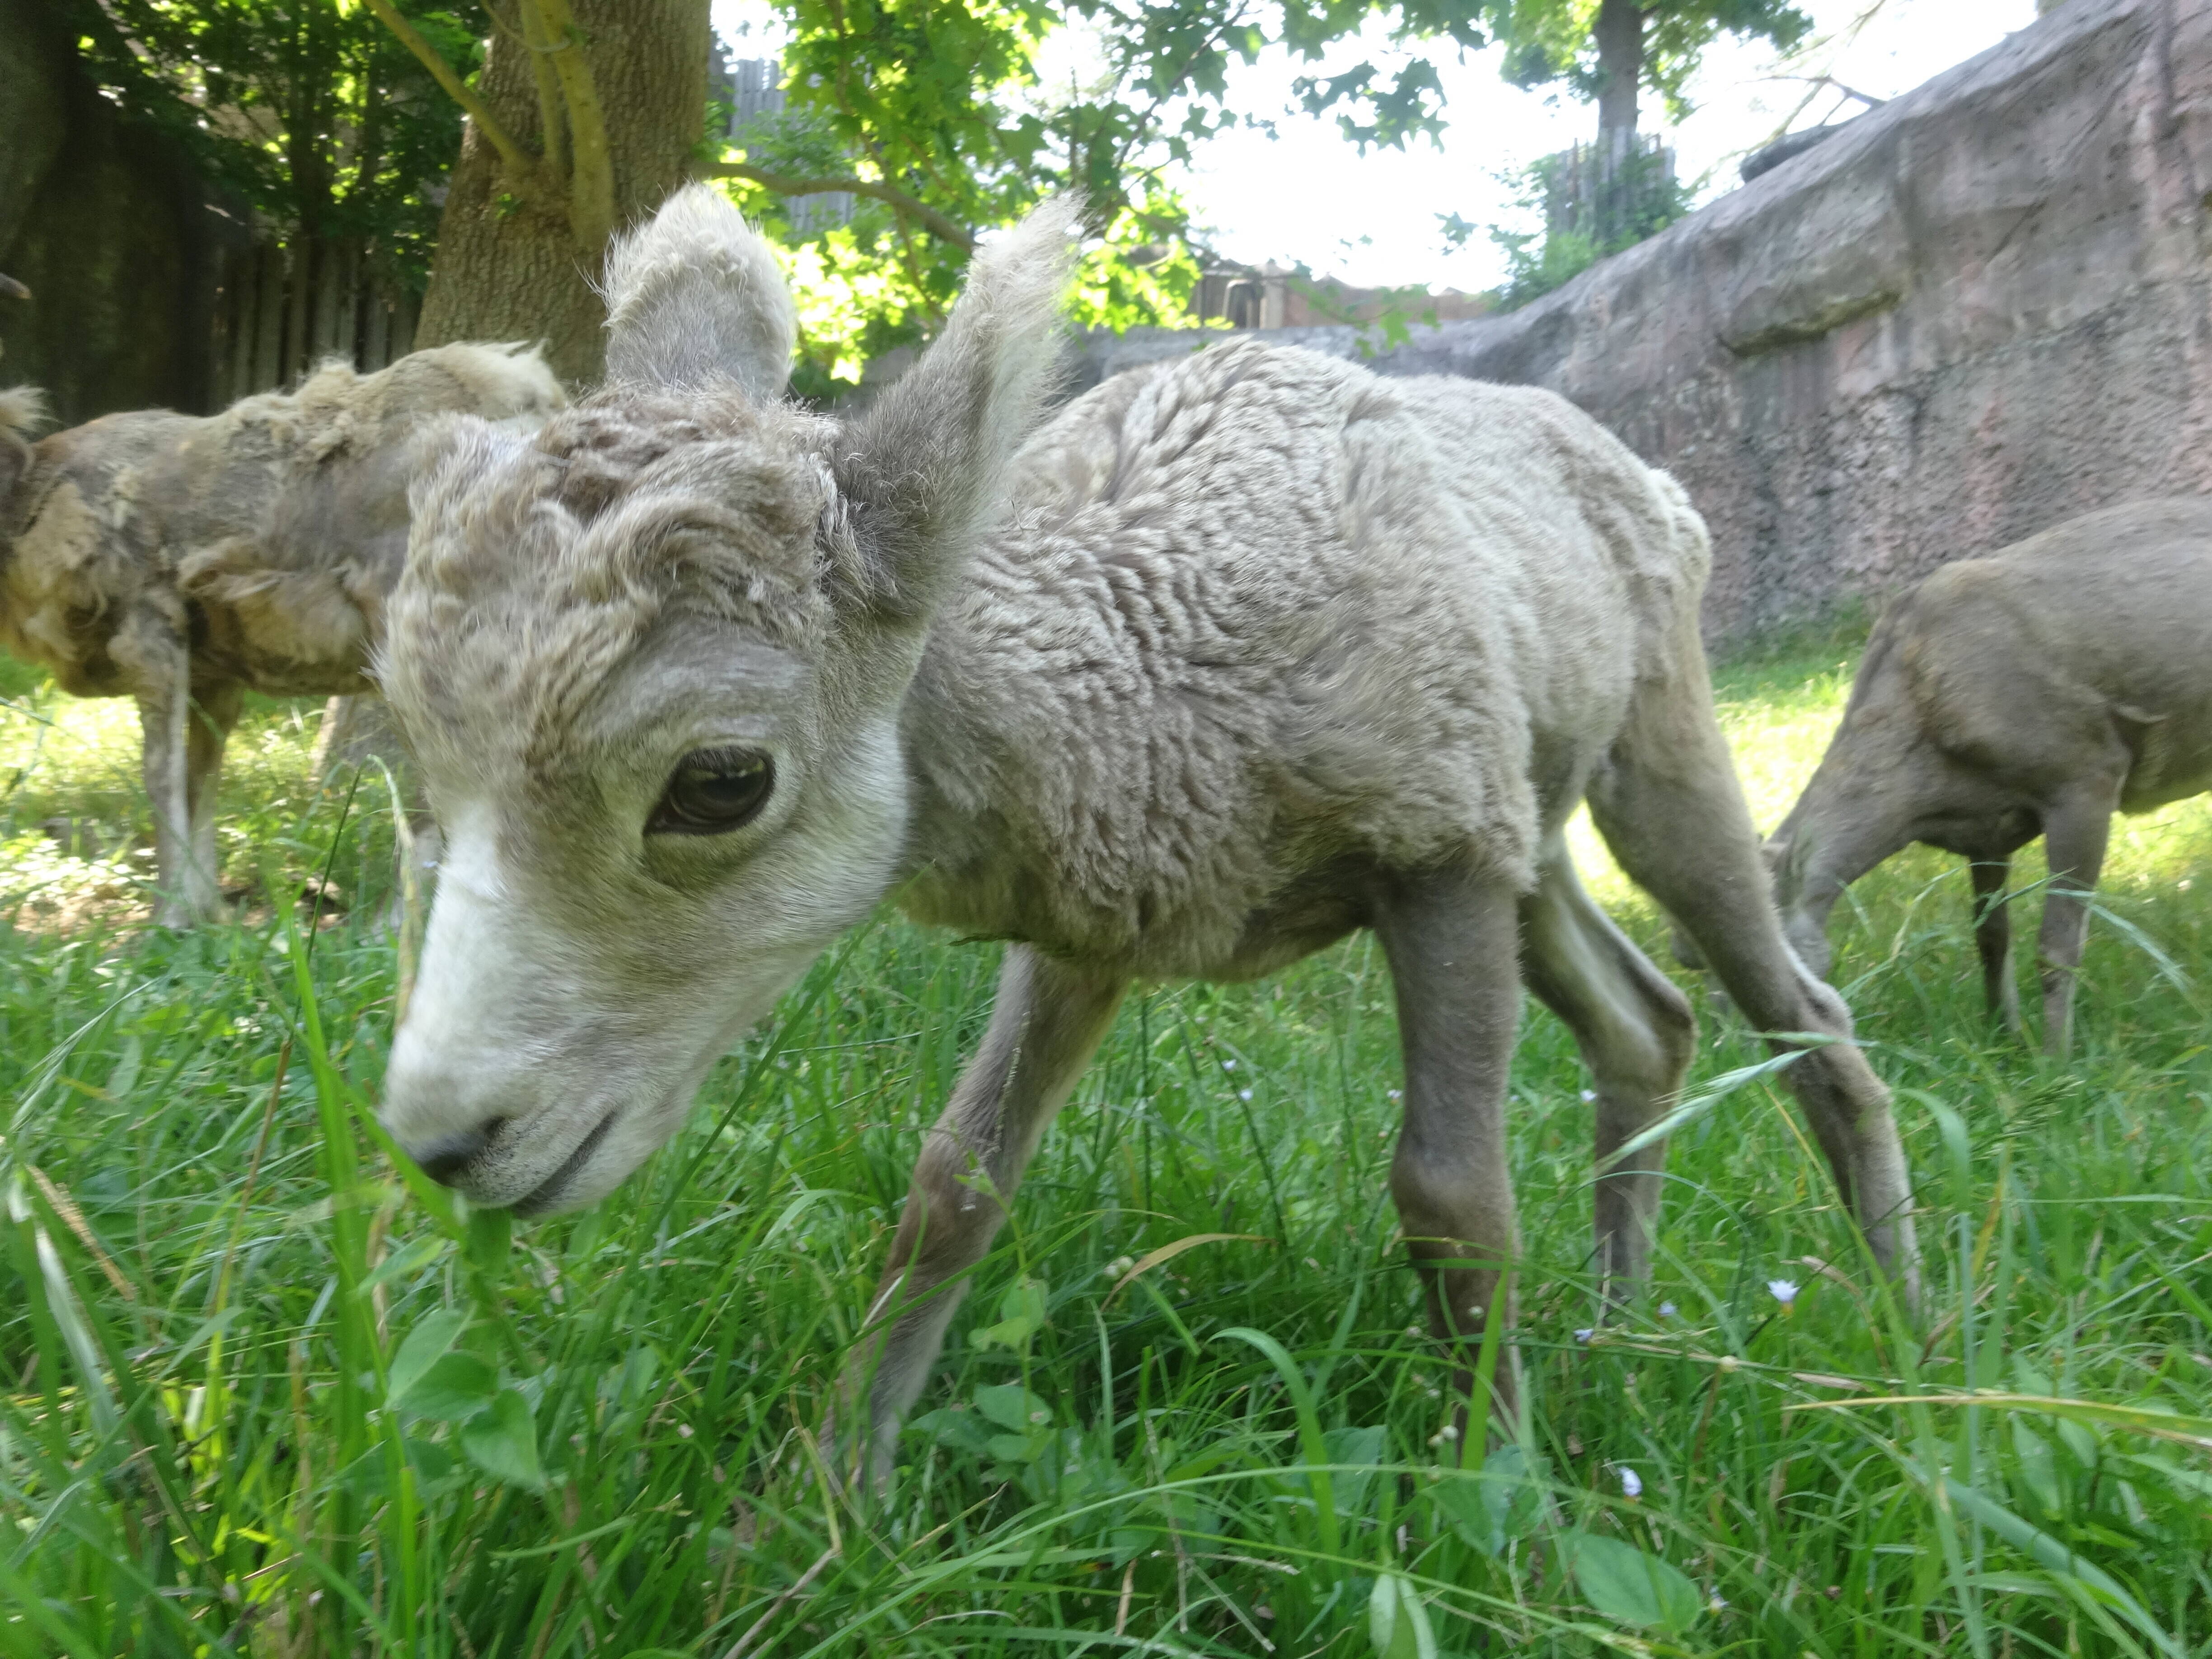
1240	654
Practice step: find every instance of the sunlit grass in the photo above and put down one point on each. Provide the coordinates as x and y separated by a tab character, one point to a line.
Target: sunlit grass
258	1395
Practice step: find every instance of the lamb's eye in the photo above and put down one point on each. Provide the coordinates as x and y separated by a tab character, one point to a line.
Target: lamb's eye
712	792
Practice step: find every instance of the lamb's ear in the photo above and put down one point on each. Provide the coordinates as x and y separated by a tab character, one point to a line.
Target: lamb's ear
22	411
922	465
695	297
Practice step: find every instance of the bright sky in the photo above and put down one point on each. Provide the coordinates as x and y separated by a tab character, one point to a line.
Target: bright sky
1306	195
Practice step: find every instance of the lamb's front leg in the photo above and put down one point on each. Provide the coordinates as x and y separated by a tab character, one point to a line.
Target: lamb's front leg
1048	1020
1453	943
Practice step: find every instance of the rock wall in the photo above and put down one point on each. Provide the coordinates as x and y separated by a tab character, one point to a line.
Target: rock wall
107	224
1980	309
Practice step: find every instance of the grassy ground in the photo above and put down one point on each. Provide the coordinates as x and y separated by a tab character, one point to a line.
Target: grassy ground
258	1394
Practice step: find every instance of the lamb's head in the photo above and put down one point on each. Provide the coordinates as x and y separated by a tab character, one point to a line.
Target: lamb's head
651	661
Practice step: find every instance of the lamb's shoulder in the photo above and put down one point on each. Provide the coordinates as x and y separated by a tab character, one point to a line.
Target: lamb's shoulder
1244	627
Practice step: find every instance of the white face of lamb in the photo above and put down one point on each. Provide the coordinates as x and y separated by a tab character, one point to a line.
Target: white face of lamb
594	949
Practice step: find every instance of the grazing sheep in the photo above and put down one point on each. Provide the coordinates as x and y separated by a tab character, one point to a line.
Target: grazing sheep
183	560
1239	654
2035	692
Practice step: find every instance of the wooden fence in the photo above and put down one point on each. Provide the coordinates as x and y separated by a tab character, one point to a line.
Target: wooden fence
280	310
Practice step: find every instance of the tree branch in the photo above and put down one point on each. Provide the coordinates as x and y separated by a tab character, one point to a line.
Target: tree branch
519	161
550	110
591	171
945	229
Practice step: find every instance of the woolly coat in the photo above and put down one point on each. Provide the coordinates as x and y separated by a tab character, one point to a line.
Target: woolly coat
1259	623
266	537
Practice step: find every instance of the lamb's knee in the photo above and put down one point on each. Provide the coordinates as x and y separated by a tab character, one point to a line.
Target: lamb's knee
1442	1200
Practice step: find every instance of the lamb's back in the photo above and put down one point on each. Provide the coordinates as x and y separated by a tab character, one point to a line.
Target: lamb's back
1260	614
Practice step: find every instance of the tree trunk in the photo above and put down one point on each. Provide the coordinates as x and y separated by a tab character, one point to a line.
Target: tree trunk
506	270
1620	33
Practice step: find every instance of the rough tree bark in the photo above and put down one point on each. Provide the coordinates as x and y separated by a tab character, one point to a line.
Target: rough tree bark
509	267
1619	35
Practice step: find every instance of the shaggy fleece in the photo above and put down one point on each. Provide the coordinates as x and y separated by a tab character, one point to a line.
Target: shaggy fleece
1258	619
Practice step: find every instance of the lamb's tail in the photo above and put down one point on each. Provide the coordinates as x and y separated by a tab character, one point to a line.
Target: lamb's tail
695	296
23	411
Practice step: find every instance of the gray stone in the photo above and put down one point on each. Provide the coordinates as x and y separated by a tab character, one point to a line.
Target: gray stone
1978	311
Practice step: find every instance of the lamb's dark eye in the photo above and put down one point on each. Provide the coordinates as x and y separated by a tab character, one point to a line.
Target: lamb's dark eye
712	792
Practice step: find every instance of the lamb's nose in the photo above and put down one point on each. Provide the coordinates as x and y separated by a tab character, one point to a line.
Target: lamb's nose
445	1158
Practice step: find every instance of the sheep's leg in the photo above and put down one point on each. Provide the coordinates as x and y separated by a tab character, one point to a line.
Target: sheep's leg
1637	1035
187	892
214	712
1993	939
1670	807
2074	837
1452	944
1048	1019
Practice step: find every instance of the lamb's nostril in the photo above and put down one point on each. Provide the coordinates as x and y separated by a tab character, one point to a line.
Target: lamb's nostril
445	1158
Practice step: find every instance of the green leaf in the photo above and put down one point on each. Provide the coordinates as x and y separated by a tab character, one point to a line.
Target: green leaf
430	1338
1489	1509
1021	1316
502	1441
456	1387
1632	1587
1397	1622
405	1264
963	1430
1361	1449
1010	1405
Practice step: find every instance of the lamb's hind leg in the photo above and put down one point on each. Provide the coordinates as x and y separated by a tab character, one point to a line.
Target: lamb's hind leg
1637	1035
214	712
1668	805
1048	1019
160	670
1993	939
1451	940
2074	833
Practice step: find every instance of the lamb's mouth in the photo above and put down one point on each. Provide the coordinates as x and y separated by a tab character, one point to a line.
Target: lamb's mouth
547	1193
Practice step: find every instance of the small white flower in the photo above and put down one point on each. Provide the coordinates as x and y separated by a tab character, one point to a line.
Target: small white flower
1584	1334
1118	1266
1717	1601
1243	1094
1666	1310
1393	1094
1783	1290
1228	1064
1632	1484
1589	1095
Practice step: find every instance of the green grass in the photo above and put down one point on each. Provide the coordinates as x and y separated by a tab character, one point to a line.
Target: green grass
214	1286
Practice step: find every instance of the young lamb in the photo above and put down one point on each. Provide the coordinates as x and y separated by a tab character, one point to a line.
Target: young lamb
2035	692
183	560
1239	654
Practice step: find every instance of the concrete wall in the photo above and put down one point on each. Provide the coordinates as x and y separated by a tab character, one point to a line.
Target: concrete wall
1982	308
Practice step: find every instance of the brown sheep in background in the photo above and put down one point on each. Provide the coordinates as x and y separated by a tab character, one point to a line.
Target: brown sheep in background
183	560
2034	692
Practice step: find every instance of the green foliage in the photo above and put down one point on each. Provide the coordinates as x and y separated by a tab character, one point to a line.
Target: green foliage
262	1392
941	102
1537	262
310	112
1552	41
